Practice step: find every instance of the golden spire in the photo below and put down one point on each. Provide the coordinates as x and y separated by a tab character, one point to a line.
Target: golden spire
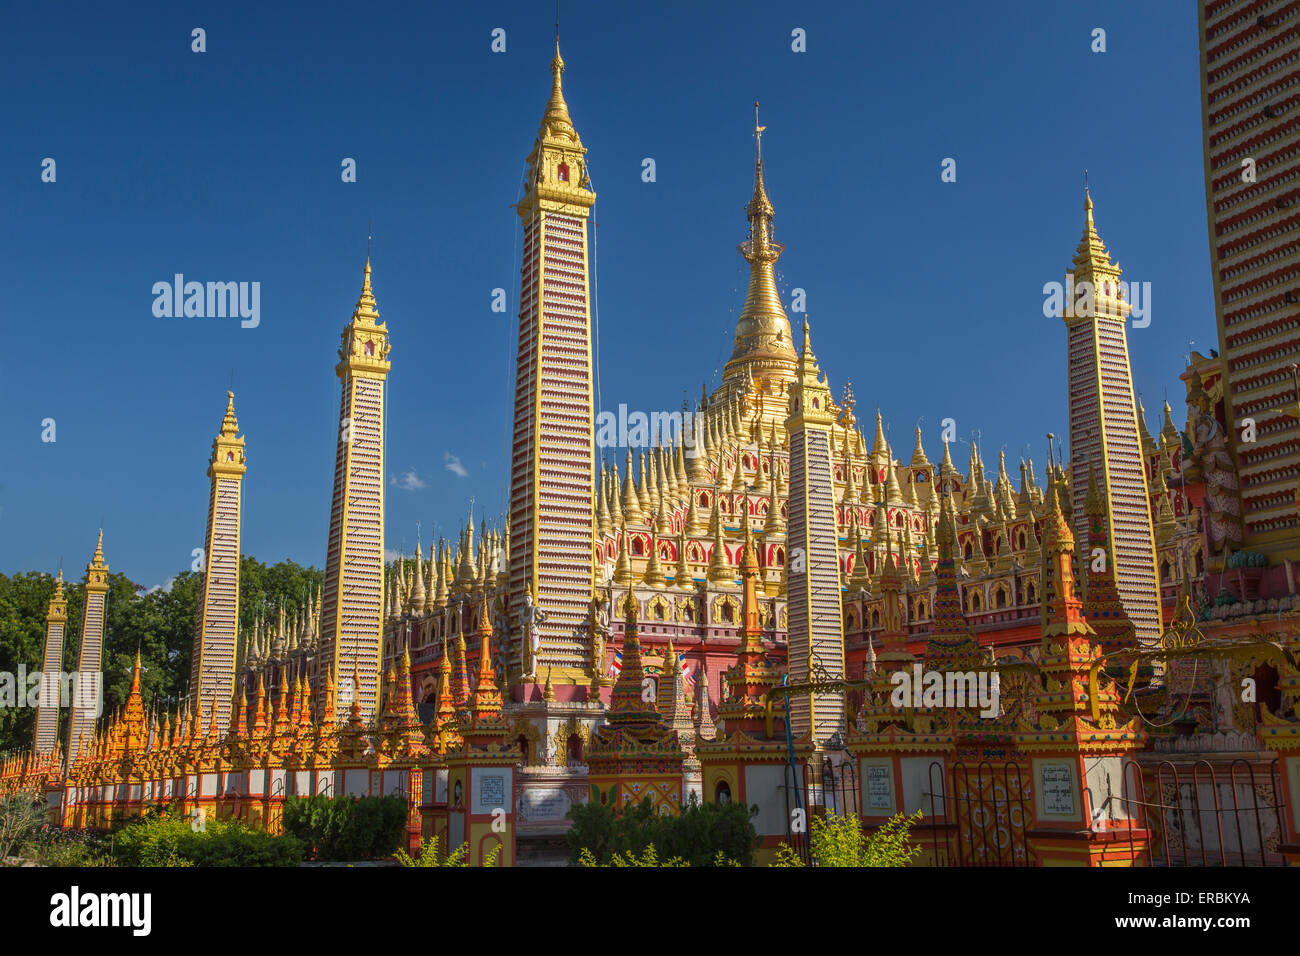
1093	267
682	578
623	566
97	562
557	111
366	310
1144	433
229	425
893	493
654	575
918	454
763	341
719	567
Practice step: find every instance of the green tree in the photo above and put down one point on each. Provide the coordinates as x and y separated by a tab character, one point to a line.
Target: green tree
158	623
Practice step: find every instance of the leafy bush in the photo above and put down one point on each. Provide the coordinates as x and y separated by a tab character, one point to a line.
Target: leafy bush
21	814
171	840
708	834
347	828
840	841
55	846
429	856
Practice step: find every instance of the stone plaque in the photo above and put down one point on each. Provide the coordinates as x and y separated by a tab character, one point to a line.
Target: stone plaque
491	790
1058	790
545	804
878	788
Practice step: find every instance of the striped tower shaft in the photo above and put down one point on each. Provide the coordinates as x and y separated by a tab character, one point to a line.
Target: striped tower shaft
1250	81
1104	430
552	477
88	685
352	600
813	590
212	665
47	706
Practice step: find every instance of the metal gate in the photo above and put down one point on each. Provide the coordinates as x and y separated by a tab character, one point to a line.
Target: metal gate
818	789
978	817
1215	817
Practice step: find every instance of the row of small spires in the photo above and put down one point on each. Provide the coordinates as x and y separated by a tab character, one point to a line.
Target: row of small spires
291	635
290	714
472	570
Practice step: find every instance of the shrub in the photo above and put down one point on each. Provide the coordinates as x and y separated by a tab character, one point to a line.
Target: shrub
840	841
21	814
708	834
54	846
347	828
429	856
171	840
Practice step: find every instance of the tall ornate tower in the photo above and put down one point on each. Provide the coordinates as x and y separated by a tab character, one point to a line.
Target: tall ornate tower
212	665
352	603
47	708
1248	82
764	346
552	486
1104	427
816	624
88	688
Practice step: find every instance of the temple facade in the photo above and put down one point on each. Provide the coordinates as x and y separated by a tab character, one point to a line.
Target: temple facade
727	602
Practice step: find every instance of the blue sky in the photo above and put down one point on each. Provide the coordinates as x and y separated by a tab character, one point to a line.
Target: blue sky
225	166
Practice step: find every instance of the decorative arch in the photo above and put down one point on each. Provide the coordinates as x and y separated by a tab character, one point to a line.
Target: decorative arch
875	617
974	601
1001	595
726	610
571	741
535	740
686	610
659	609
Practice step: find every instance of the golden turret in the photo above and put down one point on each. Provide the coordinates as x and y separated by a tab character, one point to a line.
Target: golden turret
682	578
631	503
764	346
623	566
654	575
720	571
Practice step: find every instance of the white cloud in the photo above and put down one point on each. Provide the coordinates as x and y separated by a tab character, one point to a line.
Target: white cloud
407	480
454	466
165	587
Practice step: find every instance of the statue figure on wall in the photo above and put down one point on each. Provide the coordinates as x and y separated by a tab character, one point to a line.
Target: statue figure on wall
600	613
530	638
1210	452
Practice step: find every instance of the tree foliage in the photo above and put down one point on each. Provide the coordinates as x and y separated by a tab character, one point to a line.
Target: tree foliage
709	834
347	828
159	623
